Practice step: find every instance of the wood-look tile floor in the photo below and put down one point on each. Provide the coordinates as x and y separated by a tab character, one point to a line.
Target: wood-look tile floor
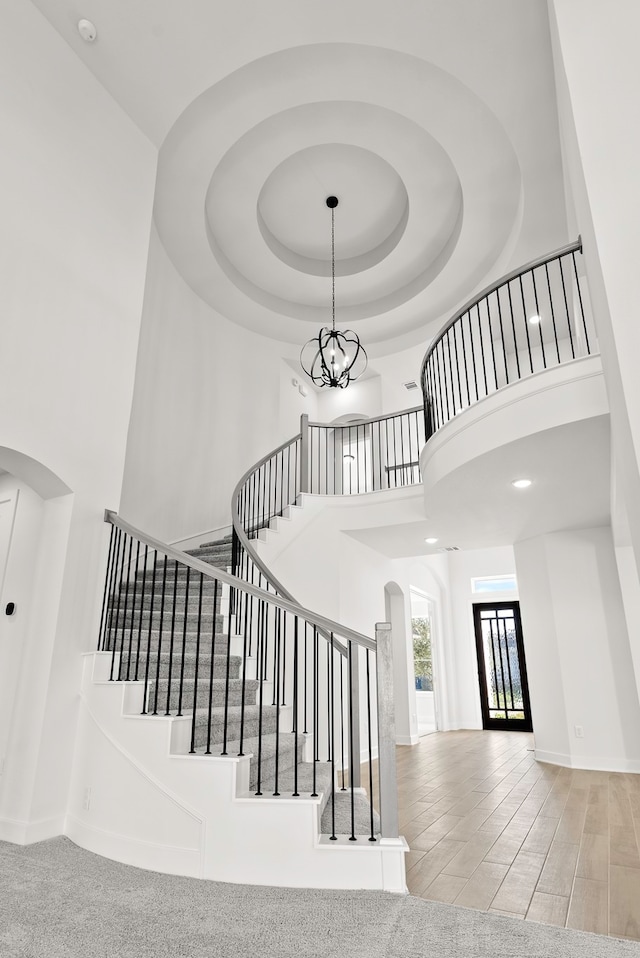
491	828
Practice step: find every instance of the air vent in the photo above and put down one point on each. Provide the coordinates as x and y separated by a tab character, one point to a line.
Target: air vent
412	385
450	549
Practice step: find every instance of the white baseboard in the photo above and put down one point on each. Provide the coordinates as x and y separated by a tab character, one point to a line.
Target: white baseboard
170	859
28	833
407	739
587	763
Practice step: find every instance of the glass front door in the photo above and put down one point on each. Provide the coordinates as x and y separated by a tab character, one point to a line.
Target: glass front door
504	694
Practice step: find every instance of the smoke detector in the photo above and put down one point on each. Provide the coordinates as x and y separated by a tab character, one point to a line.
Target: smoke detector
87	30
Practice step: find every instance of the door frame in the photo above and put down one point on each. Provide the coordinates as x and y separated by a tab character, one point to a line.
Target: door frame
488	723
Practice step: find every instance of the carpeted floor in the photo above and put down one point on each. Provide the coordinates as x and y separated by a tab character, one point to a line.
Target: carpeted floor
59	901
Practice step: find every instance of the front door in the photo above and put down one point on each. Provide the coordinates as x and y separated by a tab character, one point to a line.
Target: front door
504	694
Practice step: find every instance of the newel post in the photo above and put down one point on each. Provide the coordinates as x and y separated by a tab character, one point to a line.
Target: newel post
304	453
386	733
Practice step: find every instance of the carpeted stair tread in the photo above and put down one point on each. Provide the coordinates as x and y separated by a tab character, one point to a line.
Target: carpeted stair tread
361	815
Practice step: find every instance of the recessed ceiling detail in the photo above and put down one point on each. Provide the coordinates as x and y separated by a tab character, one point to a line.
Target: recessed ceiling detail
428	182
294	219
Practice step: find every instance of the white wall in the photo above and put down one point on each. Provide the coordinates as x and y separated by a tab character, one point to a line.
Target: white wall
463	671
577	648
207	405
77	182
597	78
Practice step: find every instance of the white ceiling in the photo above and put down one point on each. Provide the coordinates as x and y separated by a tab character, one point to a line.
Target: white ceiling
476	505
433	122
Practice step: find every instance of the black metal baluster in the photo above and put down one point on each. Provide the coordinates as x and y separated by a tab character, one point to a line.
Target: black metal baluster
113	629
171	641
157	686
295	706
133	609
445	381
525	321
184	640
353	758
147	664
464	361
311	432
493	354
535	299
372	836
484	362
101	631
245	651
314	793
515	338
553	312
283	699
304	680
277	652
504	348
142	601
473	355
566	307
343	787
262	624
196	668
212	671
112	588
328	706
452	377
333	836
226	689
124	613
457	359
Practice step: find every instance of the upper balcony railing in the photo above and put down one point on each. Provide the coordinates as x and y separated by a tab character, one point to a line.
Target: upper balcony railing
536	317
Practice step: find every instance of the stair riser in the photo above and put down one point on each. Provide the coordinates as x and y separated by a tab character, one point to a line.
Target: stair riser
133	618
218	698
233	729
219	669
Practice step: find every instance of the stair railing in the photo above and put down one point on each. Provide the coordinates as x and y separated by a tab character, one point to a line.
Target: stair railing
274	681
533	318
364	456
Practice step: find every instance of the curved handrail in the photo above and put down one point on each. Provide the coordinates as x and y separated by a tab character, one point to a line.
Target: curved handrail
211	572
531	318
238	526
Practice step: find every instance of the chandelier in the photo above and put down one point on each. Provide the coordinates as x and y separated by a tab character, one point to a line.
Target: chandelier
333	357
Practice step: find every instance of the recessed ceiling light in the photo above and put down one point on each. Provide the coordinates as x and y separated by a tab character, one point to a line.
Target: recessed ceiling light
521	483
535	319
431	541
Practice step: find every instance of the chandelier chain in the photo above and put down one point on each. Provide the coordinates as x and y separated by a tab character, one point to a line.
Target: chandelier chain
333	269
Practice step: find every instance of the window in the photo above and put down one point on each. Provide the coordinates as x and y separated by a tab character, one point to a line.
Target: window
422	660
494	583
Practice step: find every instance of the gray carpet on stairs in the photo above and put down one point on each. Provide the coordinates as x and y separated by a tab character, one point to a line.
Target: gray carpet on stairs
59	901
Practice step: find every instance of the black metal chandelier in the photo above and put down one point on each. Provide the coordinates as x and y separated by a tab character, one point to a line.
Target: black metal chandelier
333	357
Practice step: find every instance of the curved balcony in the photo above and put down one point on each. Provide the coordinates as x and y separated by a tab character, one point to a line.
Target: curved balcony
532	319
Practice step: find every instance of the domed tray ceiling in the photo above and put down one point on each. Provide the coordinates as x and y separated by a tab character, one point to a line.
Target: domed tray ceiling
429	186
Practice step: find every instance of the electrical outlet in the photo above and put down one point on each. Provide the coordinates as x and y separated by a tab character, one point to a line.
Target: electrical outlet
578	729
86	799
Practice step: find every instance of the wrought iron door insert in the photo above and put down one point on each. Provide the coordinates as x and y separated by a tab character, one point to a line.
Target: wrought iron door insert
504	694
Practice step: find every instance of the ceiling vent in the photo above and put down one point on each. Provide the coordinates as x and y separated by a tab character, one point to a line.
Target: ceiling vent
450	549
412	385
